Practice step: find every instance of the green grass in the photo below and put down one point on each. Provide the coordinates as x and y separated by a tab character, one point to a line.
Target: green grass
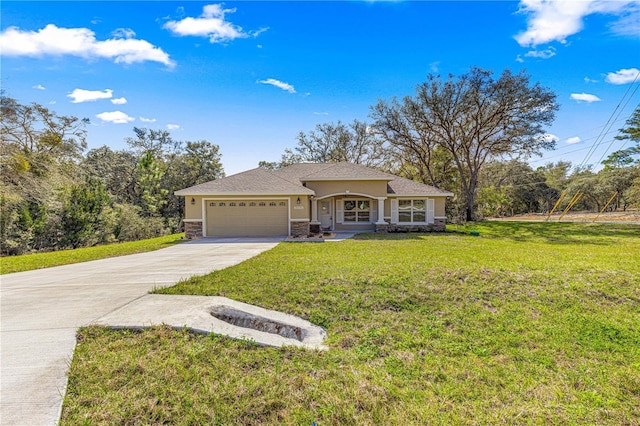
524	324
28	262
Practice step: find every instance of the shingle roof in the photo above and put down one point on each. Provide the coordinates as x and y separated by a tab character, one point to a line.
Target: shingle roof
257	181
346	171
405	187
294	172
289	181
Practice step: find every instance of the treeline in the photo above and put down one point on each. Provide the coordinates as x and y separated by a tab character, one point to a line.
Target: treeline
514	187
472	135
55	195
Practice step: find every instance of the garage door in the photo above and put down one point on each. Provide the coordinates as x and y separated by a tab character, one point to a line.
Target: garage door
248	218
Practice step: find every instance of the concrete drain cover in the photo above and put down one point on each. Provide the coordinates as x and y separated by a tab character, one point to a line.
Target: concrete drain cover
219	315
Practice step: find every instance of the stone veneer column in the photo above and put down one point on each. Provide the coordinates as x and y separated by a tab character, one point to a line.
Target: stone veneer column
193	230
300	229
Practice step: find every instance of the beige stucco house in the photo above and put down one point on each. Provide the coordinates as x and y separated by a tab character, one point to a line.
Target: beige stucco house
310	197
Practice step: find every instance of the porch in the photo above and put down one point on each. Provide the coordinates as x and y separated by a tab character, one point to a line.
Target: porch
347	212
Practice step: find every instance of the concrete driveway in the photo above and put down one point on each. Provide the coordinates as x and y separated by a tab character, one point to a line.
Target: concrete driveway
41	311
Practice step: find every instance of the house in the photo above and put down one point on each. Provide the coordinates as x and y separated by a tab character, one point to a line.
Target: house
310	197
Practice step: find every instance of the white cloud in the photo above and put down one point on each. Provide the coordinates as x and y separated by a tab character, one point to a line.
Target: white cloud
123	33
573	140
80	42
147	120
116	117
256	33
81	95
39	87
210	24
280	84
434	66
542	54
623	76
173	126
320	113
555	20
590	80
629	22
585	97
119	101
549	137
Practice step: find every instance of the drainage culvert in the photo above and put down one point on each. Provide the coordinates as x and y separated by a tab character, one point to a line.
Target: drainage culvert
246	320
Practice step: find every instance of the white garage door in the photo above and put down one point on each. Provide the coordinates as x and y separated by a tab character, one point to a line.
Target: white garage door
247	218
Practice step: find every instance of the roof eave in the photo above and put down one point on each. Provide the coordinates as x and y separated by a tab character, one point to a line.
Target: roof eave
186	193
421	194
303	179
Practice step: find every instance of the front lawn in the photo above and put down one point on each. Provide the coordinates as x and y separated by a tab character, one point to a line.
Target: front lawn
532	323
28	262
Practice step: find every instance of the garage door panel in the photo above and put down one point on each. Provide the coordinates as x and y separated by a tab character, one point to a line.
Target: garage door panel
259	218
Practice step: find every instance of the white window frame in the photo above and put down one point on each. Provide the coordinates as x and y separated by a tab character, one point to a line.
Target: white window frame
340	211
429	209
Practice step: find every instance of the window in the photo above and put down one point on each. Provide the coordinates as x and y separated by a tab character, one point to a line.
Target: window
283	204
212	204
272	204
221	204
356	211
242	204
411	211
232	204
262	204
252	204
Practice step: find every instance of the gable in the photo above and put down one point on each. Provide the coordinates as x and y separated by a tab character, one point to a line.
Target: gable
319	179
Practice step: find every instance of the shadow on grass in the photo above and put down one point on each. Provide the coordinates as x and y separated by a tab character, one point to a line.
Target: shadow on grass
549	232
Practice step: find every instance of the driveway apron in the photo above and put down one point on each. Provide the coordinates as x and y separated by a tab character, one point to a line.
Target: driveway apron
41	311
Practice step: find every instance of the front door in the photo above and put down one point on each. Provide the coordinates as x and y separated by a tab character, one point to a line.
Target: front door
326	217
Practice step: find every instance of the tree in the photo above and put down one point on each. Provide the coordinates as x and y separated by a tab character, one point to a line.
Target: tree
83	222
556	174
513	187
333	143
39	151
197	163
472	118
154	141
151	195
35	138
632	131
116	169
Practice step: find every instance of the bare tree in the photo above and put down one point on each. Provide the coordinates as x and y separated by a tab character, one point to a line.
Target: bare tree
332	143
473	118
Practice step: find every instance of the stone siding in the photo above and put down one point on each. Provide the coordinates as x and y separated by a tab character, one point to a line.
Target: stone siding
193	230
439	225
299	229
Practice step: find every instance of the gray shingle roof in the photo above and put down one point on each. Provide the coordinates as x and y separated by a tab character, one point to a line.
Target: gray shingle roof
346	171
405	187
289	181
252	182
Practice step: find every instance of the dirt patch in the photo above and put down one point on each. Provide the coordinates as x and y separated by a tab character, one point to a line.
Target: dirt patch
631	216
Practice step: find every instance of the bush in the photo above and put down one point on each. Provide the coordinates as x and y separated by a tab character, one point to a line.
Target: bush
130	226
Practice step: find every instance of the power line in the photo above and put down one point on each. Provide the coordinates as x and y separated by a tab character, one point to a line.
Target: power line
611	120
613	140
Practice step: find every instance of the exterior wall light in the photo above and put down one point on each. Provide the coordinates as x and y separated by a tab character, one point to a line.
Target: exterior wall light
298	201
193	201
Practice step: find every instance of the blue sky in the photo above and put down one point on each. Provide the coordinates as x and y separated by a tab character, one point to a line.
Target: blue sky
249	76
